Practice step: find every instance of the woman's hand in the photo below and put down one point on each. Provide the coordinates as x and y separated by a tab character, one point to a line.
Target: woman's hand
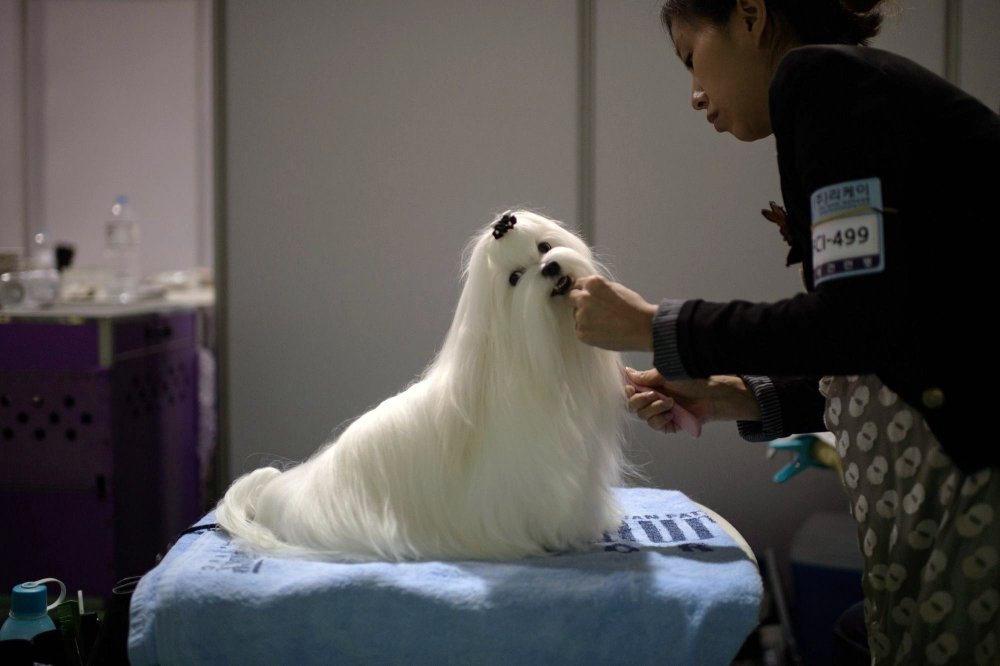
718	398
778	215
610	315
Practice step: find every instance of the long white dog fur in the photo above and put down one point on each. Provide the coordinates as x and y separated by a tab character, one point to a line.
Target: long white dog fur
508	445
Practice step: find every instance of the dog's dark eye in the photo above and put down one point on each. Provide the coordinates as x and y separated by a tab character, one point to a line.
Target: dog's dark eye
514	277
544	247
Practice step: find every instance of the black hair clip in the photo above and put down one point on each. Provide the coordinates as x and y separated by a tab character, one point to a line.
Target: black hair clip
505	224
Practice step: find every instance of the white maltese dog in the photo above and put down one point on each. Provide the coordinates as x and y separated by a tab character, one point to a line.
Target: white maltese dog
507	446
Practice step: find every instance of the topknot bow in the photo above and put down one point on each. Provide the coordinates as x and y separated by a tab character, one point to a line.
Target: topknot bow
505	224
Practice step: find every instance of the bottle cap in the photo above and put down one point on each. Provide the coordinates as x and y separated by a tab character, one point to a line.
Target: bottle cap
118	207
28	600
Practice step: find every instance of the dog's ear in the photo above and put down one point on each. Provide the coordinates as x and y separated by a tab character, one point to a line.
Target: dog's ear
503	225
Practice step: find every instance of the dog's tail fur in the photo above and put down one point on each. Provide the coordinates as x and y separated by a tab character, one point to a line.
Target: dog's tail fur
236	511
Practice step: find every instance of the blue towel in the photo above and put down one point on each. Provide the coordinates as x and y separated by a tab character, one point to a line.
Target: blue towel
671	587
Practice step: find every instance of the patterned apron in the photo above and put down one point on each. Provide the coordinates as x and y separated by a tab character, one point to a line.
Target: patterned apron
929	533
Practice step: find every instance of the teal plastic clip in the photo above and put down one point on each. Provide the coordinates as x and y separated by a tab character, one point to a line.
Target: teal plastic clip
801	446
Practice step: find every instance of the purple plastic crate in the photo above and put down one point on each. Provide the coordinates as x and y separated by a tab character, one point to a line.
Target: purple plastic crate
98	436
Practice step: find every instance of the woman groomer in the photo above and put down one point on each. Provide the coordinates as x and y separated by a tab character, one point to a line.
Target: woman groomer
889	175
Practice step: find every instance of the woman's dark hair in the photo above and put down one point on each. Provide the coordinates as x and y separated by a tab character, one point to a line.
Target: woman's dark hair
814	21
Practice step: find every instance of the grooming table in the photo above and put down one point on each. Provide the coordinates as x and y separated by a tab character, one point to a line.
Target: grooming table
672	586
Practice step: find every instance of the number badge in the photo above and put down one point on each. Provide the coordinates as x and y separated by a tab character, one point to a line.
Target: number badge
847	230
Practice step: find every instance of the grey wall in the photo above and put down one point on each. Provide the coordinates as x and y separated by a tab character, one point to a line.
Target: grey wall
117	100
367	140
11	138
979	50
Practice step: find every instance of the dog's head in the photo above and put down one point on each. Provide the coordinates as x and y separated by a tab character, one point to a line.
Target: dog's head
519	268
525	252
513	308
532	253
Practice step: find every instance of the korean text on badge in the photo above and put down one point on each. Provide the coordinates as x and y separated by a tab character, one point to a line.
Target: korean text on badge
847	235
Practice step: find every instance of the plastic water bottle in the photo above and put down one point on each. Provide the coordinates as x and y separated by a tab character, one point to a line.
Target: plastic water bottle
28	610
42	283
43	253
37	285
122	252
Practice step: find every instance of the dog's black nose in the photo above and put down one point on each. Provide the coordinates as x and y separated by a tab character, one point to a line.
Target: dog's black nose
550	269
